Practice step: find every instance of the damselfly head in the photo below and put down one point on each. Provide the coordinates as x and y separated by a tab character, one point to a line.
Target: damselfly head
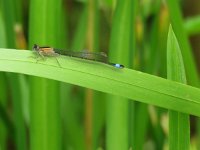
36	47
103	54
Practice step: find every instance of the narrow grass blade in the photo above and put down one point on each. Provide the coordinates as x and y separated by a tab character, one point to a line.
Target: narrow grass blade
138	123
99	115
3	41
45	119
97	99
71	119
192	25
179	124
91	39
8	8
117	123
3	103
71	104
25	94
178	27
20	130
158	57
141	125
3	87
18	6
80	33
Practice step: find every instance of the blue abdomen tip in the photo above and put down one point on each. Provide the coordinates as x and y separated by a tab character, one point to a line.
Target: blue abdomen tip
119	66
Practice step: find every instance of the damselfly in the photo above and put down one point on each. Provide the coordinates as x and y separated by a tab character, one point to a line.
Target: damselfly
94	56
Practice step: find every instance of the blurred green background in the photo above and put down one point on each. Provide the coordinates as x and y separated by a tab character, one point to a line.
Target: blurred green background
41	114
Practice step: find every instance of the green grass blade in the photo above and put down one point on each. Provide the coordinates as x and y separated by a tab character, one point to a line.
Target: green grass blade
99	115
123	82
157	63
96	115
3	103
192	25
72	119
45	119
120	50
8	8
179	124
91	39
80	34
20	130
9	15
3	87
3	41
178	27
141	124
175	66
62	32
139	113
25	94
18	5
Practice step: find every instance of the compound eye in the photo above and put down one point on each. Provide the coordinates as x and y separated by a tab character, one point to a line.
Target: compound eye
35	46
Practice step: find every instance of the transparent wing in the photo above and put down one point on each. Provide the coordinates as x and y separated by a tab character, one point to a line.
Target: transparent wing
96	56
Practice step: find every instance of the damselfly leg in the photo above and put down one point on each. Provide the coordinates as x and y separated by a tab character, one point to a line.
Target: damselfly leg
44	52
